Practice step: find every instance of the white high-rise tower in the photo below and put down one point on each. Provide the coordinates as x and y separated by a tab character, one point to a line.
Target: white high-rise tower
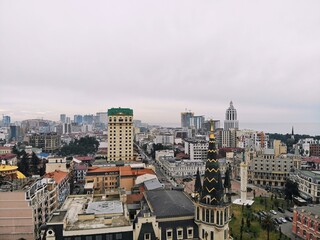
231	118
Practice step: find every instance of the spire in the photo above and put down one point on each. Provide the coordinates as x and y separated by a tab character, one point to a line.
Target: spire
197	185
292	133
212	189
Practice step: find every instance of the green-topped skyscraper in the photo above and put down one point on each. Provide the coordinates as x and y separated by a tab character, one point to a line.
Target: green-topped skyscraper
120	134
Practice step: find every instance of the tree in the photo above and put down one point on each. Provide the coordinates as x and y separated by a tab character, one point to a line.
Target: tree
248	222
267	224
83	146
35	164
23	165
291	189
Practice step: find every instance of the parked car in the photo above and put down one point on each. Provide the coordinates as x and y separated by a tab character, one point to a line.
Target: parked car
275	222
278	220
290	209
288	218
273	212
281	210
283	220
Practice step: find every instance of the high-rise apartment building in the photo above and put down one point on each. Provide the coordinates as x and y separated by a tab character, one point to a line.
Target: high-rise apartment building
197	122
89	118
6	120
231	118
63	118
185	118
78	119
120	134
48	142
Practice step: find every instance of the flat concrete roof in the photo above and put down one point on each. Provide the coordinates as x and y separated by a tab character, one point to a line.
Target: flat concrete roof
105	207
76	206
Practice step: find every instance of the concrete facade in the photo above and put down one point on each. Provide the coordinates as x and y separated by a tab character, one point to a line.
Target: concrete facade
120	134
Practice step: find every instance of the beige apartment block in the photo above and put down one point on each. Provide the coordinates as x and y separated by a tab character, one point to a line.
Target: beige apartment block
120	134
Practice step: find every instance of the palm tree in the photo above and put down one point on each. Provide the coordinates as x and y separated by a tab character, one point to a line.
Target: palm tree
267	223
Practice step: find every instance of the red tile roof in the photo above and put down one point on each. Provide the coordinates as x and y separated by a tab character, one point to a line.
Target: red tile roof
5	148
124	170
84	158
103	169
134	198
57	175
312	159
7	156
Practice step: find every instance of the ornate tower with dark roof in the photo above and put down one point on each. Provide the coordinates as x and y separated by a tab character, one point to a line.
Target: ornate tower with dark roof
212	211
212	190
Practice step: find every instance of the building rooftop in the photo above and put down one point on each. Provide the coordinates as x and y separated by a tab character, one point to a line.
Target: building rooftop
7	156
312	210
122	170
312	159
58	216
120	111
152	184
86	212
105	207
312	174
84	158
177	203
57	175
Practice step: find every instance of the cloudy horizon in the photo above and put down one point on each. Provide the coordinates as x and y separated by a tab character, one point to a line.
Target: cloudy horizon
160	58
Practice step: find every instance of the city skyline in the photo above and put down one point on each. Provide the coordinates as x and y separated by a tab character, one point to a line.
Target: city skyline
160	59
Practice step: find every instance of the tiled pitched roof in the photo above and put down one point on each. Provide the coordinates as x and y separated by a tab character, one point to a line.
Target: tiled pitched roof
58	176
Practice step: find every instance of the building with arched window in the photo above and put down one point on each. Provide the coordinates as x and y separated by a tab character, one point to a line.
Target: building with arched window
212	213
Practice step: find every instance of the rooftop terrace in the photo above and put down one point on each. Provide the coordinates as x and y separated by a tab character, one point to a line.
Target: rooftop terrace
86	212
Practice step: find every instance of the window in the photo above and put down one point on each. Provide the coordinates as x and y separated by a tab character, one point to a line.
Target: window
119	236
212	235
98	237
88	237
147	236
179	233
190	232
198	213
169	234
212	217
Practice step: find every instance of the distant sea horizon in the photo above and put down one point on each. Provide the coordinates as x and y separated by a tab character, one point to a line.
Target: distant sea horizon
312	129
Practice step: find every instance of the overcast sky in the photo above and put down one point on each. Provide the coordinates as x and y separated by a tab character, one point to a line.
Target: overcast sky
160	58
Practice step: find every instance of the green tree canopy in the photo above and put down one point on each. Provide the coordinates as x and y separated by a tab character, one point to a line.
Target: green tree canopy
291	189
83	146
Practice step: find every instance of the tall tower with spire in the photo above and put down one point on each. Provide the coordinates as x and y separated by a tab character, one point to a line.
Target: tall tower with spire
231	118
212	213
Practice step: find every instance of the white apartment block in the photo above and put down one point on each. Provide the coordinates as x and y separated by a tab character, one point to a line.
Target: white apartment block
181	168
251	138
309	184
196	149
164	139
